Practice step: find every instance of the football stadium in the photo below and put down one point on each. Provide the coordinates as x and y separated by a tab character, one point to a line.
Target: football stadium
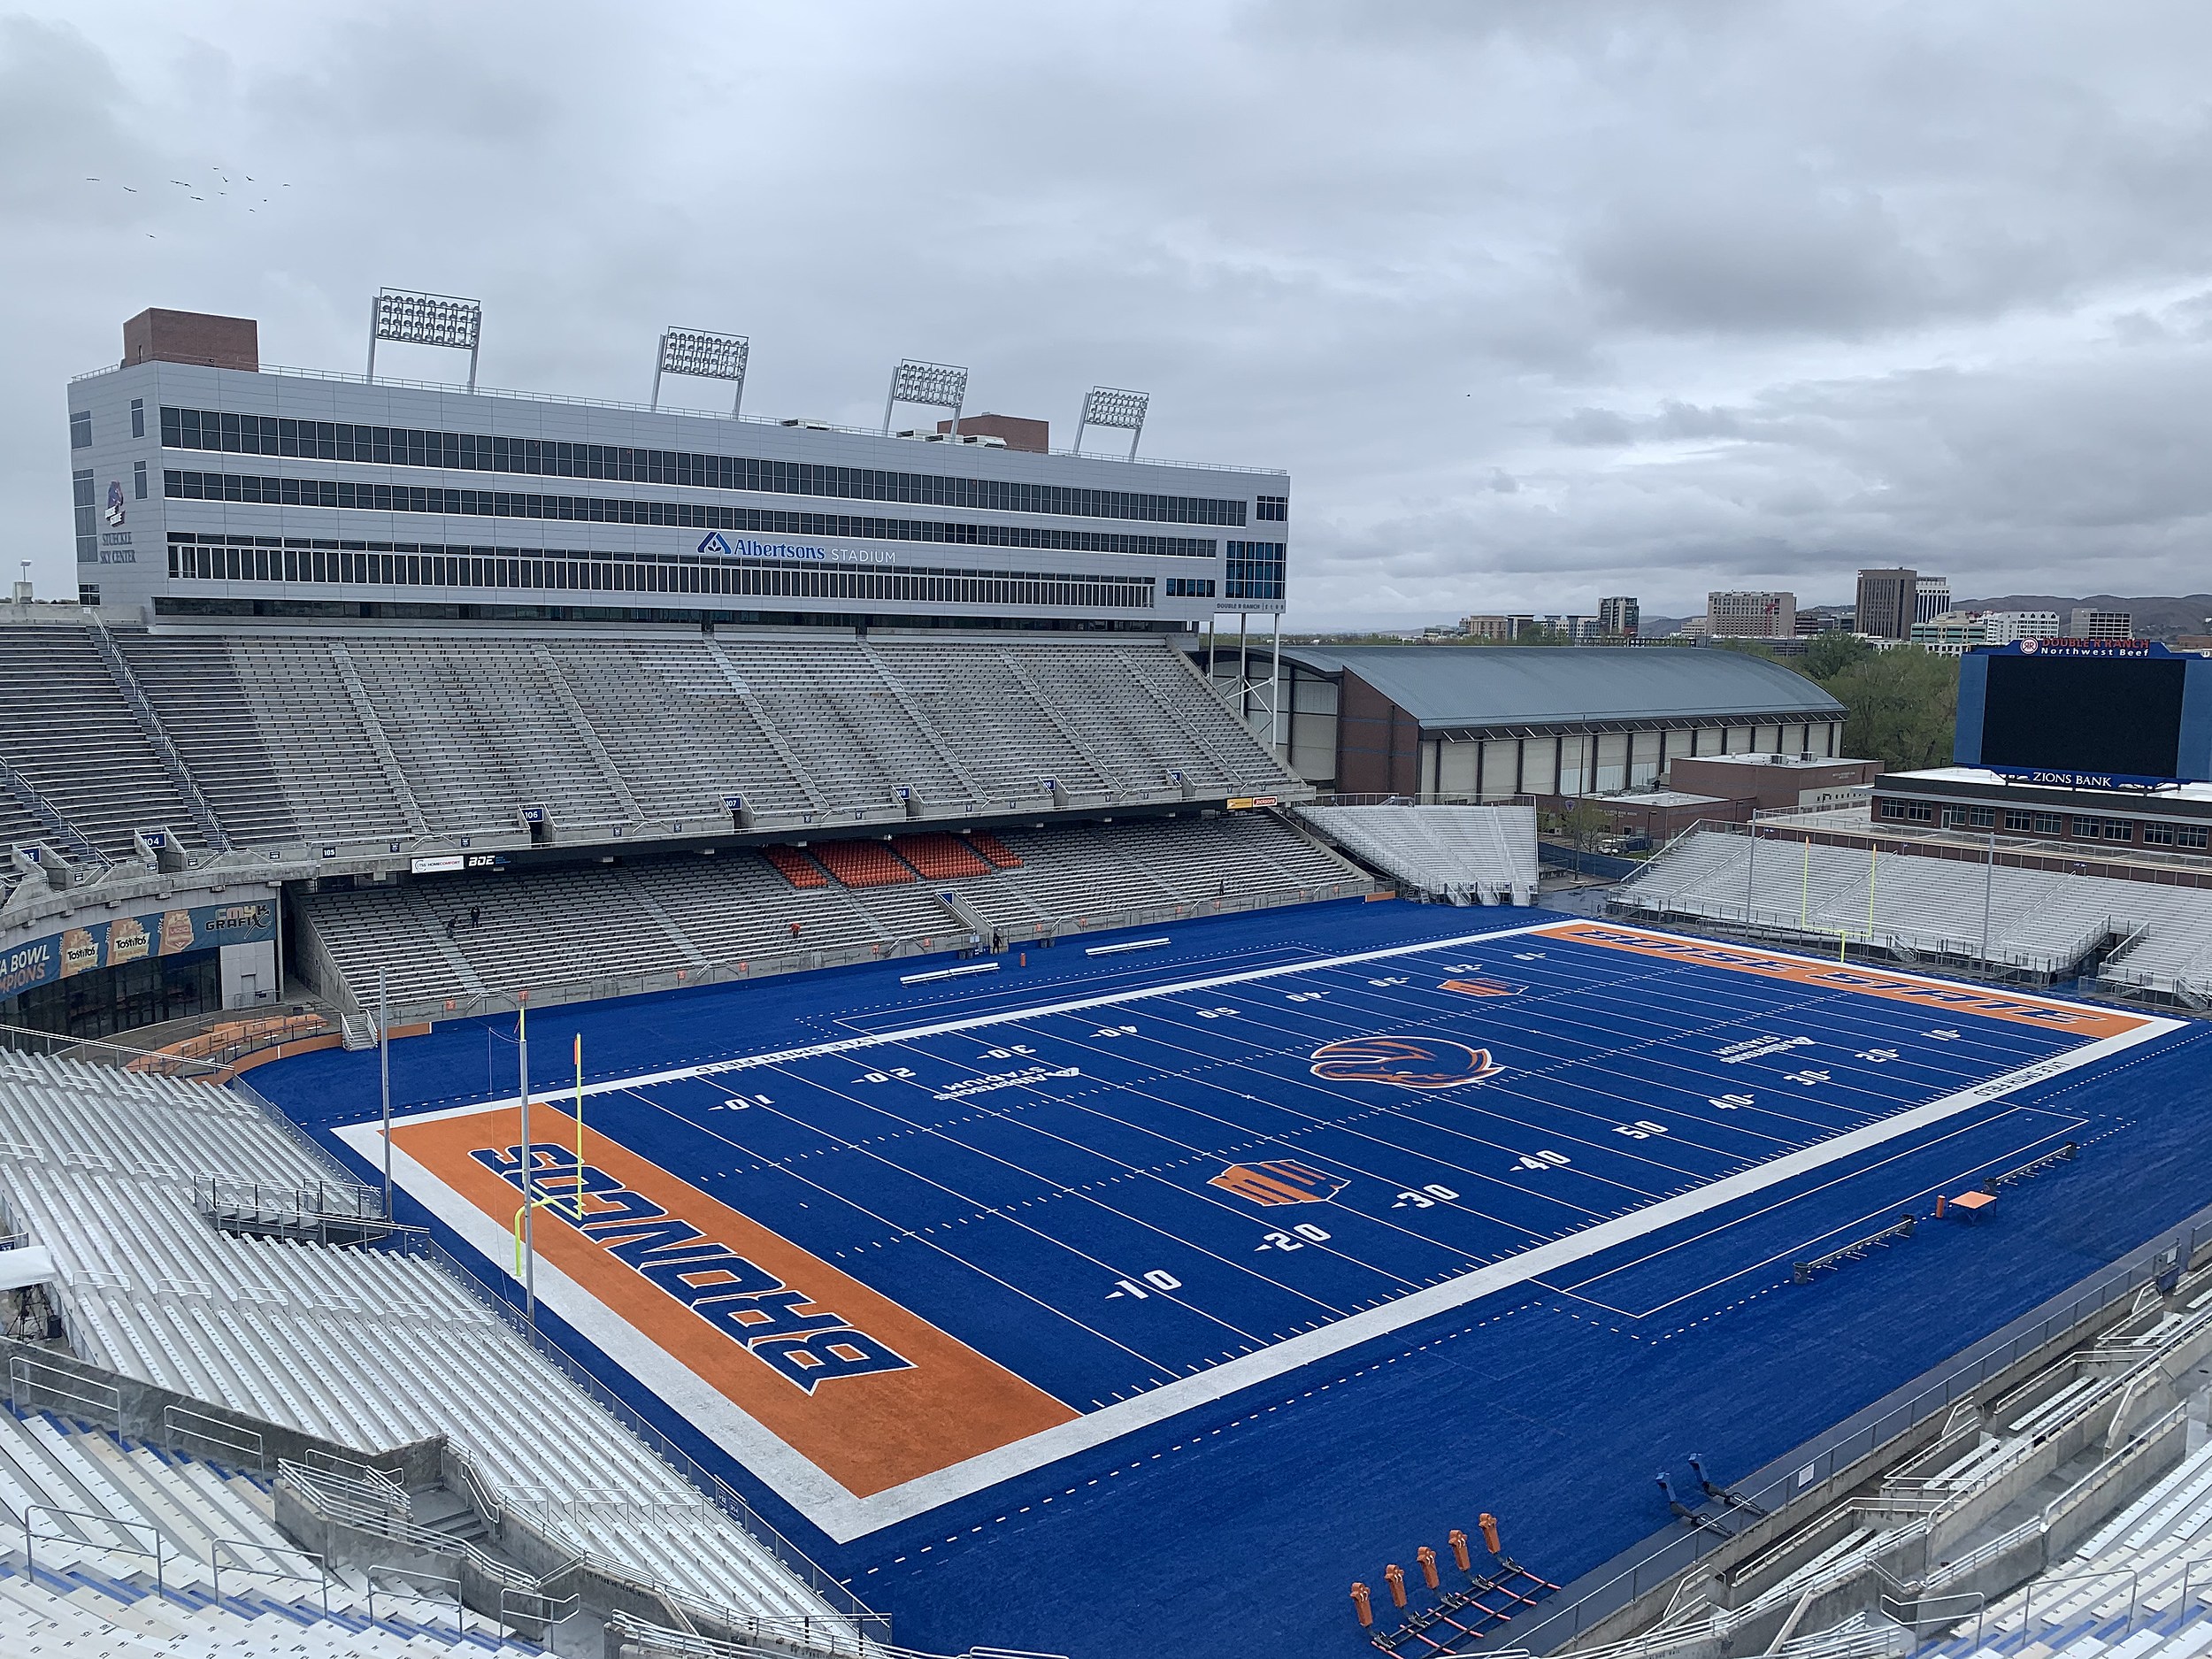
630	1064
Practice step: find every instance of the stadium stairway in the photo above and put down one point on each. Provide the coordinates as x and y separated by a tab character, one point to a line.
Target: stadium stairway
363	1347
117	1546
2141	1588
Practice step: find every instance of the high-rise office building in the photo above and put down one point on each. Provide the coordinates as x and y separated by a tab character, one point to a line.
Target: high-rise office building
1888	602
1744	615
1620	615
1931	597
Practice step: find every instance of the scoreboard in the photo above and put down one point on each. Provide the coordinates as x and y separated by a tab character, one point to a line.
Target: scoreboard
2087	713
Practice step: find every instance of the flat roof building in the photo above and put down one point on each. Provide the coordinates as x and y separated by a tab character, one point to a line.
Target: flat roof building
1489	722
2003	627
2087	624
1931	597
1751	616
1888	602
208	484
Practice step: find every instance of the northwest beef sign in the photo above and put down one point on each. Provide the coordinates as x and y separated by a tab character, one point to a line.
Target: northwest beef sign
110	944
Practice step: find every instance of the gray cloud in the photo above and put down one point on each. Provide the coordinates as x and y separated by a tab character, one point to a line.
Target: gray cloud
1538	302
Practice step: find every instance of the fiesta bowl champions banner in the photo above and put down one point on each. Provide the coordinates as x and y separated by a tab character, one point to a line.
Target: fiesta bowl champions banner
110	944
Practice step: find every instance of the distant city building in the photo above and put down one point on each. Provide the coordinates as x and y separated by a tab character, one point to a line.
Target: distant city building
1693	628
1931	597
1888	602
1620	615
1503	629
1833	619
2101	625
2003	627
1576	628
1741	614
1952	634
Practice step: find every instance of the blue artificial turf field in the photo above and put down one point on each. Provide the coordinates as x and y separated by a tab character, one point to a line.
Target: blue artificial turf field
1064	1306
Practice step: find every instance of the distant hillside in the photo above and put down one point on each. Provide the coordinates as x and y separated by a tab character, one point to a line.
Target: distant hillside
2155	617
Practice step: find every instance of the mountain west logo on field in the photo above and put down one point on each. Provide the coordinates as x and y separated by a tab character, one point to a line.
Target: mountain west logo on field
1408	1062
1278	1181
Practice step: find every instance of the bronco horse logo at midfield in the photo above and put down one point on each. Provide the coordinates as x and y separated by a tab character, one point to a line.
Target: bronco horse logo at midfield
1408	1062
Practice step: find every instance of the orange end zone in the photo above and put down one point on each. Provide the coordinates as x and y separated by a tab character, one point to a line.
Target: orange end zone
941	1403
2086	1022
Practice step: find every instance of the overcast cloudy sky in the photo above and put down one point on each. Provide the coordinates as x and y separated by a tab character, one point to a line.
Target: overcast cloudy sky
1539	302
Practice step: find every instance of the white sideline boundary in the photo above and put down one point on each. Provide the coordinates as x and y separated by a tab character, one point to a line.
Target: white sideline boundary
845	1517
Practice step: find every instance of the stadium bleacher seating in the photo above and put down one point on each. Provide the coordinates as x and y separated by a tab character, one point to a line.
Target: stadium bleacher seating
2141	1586
91	1507
862	864
1462	853
2101	1444
365	1347
300	739
461	936
995	851
69	734
2040	922
940	858
795	867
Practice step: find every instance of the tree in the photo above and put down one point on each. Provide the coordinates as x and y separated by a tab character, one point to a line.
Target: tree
1831	653
1583	822
1900	706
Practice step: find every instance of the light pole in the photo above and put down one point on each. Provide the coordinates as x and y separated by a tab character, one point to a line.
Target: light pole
529	1193
384	1080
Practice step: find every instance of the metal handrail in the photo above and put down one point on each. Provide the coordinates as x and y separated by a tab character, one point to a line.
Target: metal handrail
406	1574
1679	1551
714	1489
10	1036
124	1527
234	1440
320	1577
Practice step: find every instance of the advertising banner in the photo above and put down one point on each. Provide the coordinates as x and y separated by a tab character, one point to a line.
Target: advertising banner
108	944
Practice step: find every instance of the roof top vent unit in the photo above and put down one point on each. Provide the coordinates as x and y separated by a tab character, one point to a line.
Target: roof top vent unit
972	439
804	425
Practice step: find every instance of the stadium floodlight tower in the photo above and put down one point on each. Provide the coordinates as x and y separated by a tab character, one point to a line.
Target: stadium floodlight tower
1113	406
700	354
936	384
425	319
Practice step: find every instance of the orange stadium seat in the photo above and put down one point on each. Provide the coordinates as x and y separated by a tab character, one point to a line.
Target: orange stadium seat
994	849
939	856
795	867
862	864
